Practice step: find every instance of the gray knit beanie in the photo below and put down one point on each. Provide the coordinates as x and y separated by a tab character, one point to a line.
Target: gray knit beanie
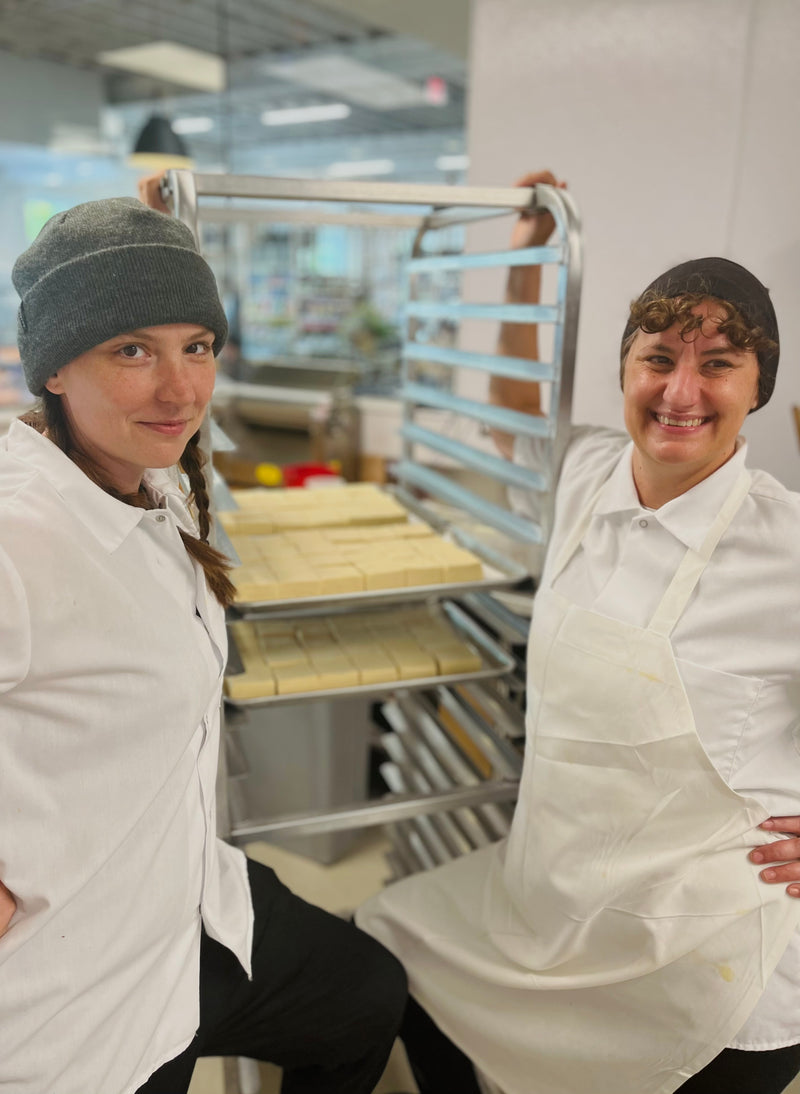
102	269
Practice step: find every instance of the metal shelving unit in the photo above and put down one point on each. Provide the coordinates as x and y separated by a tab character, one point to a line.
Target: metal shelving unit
445	798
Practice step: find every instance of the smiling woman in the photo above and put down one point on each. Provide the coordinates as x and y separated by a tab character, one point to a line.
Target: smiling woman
134	401
132	940
699	353
687	395
622	939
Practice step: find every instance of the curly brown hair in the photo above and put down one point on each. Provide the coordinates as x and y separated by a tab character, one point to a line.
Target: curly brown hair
652	312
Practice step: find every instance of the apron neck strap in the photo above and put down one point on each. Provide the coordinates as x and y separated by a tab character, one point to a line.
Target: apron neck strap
688	573
694	562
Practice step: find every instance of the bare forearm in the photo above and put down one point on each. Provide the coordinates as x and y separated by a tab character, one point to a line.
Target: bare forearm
517	340
7	908
521	339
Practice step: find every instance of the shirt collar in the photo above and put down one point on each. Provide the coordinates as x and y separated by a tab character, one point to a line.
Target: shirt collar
110	521
687	517
165	487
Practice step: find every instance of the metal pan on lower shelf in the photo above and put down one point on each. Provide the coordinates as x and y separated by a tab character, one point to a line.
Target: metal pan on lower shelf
494	578
494	660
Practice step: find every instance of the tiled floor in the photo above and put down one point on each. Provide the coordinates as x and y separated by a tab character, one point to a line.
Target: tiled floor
338	888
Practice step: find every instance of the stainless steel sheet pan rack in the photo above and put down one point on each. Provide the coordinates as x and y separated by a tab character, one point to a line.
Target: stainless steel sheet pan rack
439	805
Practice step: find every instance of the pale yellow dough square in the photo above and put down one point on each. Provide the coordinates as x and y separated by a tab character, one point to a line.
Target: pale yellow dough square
421	572
374	666
254	583
340	579
380	575
315	642
241	522
315	627
270	627
254	497
248	685
456	657
464	571
291	680
244	634
411	660
337	675
246	548
298	588
286	657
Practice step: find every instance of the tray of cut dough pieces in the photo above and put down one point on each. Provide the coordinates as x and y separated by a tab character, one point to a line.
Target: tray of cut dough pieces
346	547
372	652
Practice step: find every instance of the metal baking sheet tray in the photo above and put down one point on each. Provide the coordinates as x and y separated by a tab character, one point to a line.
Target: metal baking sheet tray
495	662
499	573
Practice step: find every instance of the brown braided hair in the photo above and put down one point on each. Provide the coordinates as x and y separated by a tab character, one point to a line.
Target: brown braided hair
49	418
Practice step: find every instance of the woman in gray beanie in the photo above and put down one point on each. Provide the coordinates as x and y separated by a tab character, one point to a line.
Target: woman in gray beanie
138	940
622	940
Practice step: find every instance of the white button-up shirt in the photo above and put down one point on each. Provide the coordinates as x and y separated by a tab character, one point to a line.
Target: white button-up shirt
111	659
737	644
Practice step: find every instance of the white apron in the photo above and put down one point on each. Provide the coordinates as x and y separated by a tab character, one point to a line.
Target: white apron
620	938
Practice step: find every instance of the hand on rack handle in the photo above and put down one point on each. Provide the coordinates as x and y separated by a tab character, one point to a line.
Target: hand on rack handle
150	192
782	858
534	229
7	908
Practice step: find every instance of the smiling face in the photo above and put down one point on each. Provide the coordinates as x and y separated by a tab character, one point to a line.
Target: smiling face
134	401
686	398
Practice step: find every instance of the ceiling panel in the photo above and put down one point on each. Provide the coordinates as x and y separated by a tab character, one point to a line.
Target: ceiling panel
251	35
76	31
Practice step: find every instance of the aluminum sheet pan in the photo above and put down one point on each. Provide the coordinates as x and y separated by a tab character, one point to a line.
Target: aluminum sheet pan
495	662
499	573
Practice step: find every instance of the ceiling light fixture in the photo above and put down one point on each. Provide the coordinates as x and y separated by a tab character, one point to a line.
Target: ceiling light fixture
355	81
301	115
170	62
158	147
350	169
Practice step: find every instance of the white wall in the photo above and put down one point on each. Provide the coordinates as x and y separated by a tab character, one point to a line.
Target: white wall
674	123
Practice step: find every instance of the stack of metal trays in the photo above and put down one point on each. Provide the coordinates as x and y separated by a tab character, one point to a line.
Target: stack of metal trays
440	741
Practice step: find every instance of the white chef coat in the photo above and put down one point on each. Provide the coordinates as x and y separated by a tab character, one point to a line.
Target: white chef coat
736	644
112	652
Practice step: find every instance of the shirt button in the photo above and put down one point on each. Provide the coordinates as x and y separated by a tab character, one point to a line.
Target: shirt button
160	518
642	523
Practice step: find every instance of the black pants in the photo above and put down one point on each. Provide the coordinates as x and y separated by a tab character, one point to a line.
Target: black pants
441	1068
325	1001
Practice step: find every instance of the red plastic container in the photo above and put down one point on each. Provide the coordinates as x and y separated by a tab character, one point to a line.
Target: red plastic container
295	474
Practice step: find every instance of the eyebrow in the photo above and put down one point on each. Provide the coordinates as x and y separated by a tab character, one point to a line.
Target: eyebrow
727	348
142	331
